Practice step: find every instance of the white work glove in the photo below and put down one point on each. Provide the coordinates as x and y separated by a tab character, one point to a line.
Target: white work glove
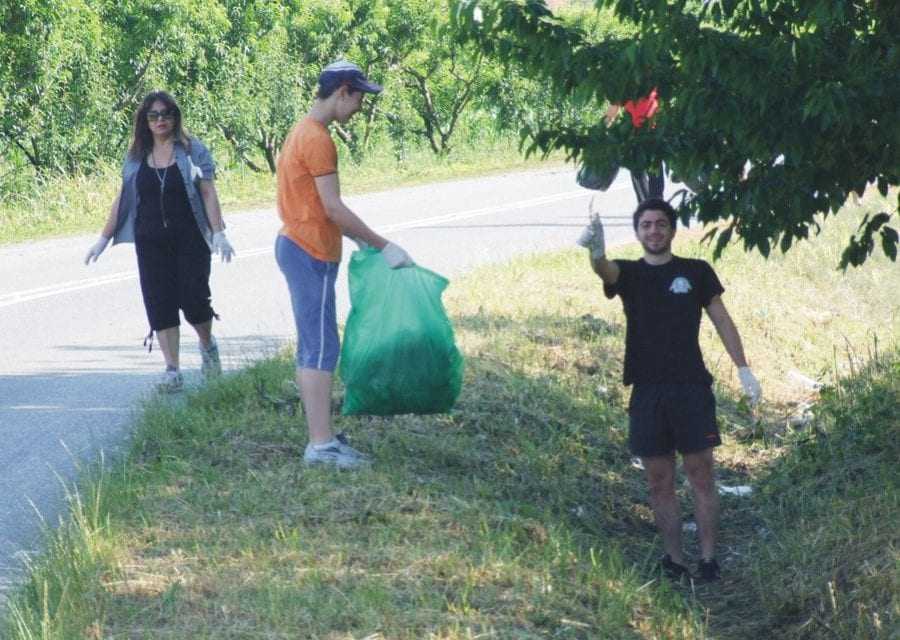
592	237
222	246
395	256
98	248
750	384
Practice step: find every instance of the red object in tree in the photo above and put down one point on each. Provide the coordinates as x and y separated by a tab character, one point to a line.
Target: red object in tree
643	109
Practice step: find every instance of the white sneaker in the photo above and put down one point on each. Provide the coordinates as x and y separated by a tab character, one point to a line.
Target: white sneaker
345	447
171	382
338	452
211	366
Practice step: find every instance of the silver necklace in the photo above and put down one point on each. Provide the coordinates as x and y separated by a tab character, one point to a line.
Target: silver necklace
162	184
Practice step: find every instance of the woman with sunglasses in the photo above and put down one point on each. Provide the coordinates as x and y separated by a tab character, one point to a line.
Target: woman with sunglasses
169	208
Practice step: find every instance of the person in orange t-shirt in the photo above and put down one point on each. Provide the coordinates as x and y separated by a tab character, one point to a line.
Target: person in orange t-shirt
308	250
646	185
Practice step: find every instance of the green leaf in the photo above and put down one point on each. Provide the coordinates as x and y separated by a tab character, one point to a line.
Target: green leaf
722	242
889	240
878	220
709	235
786	241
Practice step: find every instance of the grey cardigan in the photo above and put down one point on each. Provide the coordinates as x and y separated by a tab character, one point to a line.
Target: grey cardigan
193	166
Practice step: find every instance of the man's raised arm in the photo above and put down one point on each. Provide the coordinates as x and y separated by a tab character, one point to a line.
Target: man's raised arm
592	239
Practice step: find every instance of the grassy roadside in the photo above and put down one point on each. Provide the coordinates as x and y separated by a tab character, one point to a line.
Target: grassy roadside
820	542
80	204
519	514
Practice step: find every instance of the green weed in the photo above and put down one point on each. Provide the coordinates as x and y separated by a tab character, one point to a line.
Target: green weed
519	514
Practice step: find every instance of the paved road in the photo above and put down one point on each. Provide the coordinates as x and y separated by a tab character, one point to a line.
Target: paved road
72	367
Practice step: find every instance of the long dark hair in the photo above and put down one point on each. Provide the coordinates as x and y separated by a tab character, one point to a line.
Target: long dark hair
142	139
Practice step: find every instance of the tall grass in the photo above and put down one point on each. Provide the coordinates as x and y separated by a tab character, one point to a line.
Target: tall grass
519	514
480	523
821	552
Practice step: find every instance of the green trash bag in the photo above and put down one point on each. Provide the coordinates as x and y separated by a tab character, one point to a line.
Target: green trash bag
399	355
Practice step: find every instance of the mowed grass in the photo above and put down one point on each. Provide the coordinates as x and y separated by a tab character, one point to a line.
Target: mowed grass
80	203
518	515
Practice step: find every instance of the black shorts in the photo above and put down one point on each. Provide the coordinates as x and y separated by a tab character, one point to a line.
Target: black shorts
174	268
666	417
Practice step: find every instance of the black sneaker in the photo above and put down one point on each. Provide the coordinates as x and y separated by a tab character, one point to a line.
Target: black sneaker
672	570
708	571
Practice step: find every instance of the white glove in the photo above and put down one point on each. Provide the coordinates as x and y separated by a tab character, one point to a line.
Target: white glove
396	257
98	248
222	246
750	384
592	237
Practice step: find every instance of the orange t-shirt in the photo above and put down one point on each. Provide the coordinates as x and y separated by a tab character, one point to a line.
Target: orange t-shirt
307	153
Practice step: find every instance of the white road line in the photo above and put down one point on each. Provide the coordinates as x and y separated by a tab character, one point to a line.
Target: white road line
9	299
17	297
474	213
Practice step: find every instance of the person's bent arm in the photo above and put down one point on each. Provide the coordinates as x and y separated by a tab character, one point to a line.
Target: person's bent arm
731	339
211	203
611	112
727	331
608	270
106	234
593	238
109	228
351	224
220	243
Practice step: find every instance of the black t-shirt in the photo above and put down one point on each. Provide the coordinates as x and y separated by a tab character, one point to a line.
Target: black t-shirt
155	213
663	306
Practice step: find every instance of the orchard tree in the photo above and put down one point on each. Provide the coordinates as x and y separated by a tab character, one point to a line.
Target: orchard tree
174	46
52	76
441	77
72	72
774	111
256	91
270	59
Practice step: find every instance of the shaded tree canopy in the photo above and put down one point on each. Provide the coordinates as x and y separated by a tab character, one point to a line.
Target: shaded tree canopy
774	111
73	71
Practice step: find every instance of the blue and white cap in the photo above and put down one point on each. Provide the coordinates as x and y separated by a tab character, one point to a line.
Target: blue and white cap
345	72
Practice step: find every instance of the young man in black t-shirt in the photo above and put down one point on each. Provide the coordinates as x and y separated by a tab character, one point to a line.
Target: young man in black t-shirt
672	406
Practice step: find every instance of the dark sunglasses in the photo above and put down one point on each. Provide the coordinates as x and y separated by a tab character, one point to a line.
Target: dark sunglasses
153	116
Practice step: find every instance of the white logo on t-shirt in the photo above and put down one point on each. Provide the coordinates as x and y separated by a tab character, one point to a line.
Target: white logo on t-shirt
680	285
